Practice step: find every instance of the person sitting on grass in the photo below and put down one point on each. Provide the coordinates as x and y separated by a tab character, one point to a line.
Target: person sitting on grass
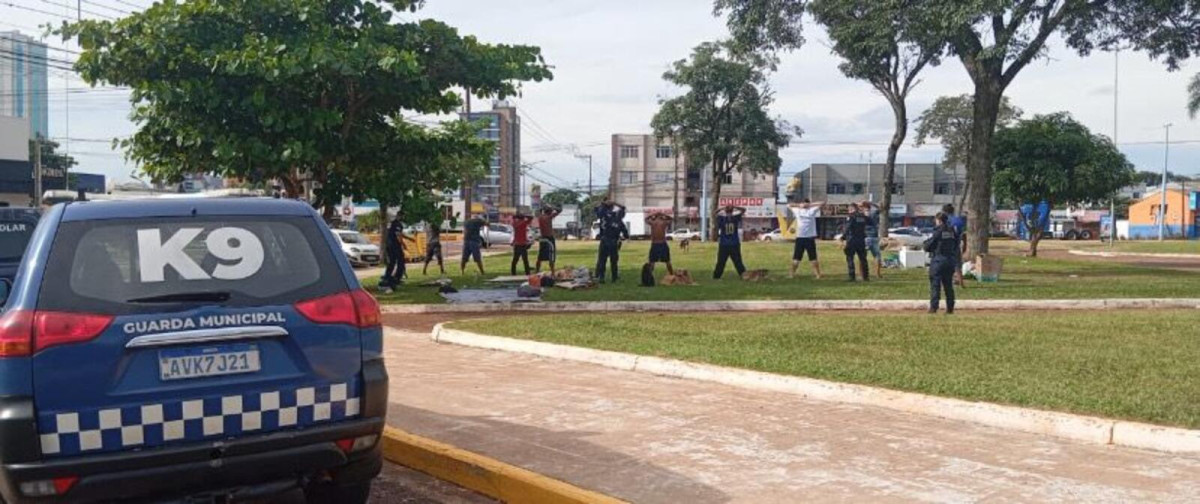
659	250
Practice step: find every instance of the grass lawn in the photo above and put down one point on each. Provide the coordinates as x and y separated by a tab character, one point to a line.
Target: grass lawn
1023	278
1142	247
1131	365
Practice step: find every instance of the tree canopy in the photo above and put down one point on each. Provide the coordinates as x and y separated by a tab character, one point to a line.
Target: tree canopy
950	119
1055	159
559	197
722	120
308	92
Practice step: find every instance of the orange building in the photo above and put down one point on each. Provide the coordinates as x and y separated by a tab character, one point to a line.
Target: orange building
1180	216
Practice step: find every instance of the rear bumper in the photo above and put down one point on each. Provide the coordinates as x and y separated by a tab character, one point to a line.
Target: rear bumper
246	464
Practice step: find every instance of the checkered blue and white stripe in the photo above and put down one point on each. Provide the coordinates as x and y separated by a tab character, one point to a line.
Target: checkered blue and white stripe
66	433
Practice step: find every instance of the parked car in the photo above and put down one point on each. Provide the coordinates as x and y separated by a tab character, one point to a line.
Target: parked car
16	228
684	234
771	236
358	249
497	234
188	350
908	236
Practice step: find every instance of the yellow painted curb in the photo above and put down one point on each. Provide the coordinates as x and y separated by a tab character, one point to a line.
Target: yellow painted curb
487	476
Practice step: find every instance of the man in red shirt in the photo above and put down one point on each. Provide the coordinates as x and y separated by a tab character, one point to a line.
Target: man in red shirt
520	244
547	249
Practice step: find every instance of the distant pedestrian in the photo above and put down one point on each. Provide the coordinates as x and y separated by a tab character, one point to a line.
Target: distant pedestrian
520	243
871	210
433	246
959	223
547	248
854	241
612	230
729	240
660	251
473	243
393	242
806	214
945	248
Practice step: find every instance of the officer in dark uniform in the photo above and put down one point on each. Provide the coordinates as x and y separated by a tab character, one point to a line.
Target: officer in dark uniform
612	230
854	240
944	246
394	274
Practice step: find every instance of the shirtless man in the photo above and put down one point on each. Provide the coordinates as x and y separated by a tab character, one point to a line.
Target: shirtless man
547	249
659	250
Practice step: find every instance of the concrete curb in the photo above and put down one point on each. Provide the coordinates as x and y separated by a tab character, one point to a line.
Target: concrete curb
756	306
1088	253
487	476
1063	425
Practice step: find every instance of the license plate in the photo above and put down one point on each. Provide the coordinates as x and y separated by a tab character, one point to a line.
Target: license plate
183	363
370	258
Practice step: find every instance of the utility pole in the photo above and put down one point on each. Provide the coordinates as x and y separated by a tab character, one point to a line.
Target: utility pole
589	158
704	174
1112	203
466	191
37	172
675	193
1162	205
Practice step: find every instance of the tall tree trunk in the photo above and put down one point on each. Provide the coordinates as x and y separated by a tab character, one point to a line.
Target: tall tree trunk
1035	237
383	227
714	197
988	93
889	170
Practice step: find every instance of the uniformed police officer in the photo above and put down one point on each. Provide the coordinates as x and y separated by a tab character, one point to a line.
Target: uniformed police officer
944	246
854	241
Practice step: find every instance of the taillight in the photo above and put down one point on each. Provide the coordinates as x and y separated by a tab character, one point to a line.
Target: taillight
24	332
61	328
367	308
16	333
356	308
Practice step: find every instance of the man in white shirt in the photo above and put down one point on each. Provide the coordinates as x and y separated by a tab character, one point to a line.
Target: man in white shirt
806	214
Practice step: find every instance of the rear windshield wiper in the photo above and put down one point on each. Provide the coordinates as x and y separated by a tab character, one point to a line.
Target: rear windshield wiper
184	297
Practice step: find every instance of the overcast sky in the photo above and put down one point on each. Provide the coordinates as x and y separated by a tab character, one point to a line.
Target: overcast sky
608	60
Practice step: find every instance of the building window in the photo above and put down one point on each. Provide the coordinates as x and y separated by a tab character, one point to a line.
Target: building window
836	189
628	177
898	189
727	179
629	152
857	188
663	152
942	188
662	176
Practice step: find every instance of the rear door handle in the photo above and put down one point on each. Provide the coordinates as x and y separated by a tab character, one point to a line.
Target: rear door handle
206	336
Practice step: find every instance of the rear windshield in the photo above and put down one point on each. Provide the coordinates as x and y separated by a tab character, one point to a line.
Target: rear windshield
147	265
14	236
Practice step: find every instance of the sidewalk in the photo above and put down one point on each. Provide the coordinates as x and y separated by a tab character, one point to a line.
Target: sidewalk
649	439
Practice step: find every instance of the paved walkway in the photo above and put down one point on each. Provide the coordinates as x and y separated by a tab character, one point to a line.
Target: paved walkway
650	439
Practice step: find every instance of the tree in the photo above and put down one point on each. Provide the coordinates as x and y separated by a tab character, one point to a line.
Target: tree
308	92
1194	96
950	119
560	197
1151	178
1055	159
995	40
873	40
56	166
722	119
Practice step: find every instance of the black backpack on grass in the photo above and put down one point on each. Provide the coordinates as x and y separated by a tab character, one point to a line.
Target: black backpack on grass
648	275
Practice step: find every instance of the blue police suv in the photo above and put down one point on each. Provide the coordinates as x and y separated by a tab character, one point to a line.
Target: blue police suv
16	227
202	350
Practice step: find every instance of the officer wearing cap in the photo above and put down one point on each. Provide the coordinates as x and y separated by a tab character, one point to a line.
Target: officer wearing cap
944	246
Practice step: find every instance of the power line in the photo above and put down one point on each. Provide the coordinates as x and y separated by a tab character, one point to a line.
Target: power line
90	2
127	4
42	44
80	10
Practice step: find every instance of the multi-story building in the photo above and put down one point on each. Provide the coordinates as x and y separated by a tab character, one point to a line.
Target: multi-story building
918	193
23	81
500	190
647	175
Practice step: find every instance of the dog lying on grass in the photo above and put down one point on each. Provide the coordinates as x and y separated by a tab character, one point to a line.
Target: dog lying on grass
681	277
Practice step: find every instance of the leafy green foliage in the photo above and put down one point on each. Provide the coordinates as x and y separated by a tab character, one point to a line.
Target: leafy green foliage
1056	159
722	120
308	92
52	159
559	197
764	24
950	120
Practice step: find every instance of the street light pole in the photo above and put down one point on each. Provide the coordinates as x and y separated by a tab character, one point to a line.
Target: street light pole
589	158
1112	203
1162	206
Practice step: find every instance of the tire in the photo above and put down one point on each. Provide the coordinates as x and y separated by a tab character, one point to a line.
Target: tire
1086	235
329	493
1071	235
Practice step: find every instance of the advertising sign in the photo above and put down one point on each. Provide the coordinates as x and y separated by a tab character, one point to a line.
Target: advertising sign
756	208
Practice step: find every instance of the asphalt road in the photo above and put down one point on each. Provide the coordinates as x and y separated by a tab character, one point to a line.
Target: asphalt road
398	484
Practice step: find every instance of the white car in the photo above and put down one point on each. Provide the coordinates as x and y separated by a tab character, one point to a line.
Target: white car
358	249
684	234
496	234
771	236
908	236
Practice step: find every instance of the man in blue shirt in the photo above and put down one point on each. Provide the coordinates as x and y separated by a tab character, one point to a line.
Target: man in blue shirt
872	212
729	241
612	230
